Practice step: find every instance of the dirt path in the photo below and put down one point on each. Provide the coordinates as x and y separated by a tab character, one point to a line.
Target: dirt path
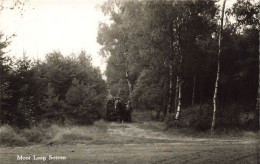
139	143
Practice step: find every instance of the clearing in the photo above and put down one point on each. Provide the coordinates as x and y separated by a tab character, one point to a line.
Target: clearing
140	142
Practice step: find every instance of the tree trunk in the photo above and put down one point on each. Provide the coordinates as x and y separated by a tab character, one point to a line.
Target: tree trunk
164	106
158	112
258	94
200	91
130	86
176	94
180	81
170	103
193	90
1	83
165	98
179	103
218	71
1	91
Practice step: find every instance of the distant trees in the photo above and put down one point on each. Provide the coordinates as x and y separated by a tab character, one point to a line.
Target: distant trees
163	56
58	89
5	70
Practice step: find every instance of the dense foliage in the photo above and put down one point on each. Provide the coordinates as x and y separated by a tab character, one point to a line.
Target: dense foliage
59	89
162	55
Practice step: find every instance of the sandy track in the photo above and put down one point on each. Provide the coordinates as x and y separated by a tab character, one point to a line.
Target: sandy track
132	143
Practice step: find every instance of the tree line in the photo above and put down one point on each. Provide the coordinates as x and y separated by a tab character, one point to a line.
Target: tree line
57	89
164	56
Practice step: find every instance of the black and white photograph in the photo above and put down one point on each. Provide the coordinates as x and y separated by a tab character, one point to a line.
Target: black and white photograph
129	82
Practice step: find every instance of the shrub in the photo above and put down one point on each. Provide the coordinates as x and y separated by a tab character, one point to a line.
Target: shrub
197	117
51	134
200	118
8	137
68	134
73	137
237	116
170	120
36	134
82	102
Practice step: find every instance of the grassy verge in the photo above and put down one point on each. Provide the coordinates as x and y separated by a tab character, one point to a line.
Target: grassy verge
54	134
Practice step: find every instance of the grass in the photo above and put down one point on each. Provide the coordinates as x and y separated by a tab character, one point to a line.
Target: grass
218	134
9	137
54	134
100	133
163	127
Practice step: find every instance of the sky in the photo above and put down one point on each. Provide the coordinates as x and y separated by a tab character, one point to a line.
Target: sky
65	25
47	25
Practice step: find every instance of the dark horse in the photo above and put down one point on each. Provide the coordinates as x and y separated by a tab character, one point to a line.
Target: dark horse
118	110
120	107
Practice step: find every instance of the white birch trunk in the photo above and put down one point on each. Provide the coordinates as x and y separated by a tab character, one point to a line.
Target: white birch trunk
179	103
218	70
170	103
130	87
179	88
176	93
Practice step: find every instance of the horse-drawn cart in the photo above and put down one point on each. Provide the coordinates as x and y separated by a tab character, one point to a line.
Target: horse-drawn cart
117	110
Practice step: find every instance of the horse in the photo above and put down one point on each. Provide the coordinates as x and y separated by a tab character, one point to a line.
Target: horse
120	107
129	110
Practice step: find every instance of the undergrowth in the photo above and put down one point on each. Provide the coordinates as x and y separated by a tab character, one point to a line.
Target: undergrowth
50	134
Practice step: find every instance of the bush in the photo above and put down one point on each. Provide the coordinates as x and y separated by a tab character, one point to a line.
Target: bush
249	120
237	116
82	102
72	137
8	137
195	117
170	121
68	134
51	134
200	118
36	134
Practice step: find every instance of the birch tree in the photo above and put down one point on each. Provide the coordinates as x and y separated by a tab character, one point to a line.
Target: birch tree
218	69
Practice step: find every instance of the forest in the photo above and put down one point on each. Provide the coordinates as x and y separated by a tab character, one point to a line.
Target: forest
165	56
192	64
57	89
